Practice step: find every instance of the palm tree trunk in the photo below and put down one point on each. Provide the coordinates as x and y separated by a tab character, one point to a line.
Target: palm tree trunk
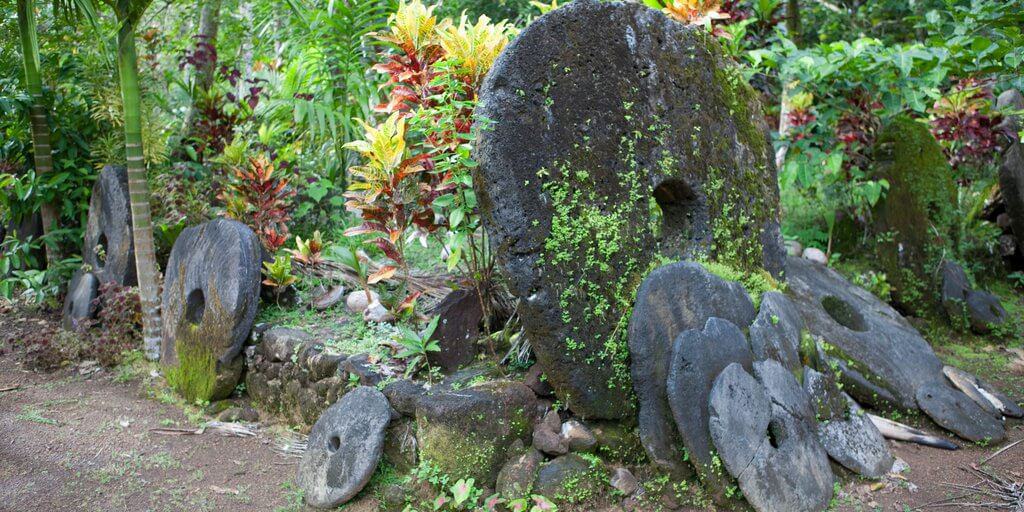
138	189
209	24
793	22
42	153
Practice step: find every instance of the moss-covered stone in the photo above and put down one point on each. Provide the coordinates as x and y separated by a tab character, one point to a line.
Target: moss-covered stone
467	433
914	224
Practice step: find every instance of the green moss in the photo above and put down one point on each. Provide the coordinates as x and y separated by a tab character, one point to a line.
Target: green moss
756	282
914	223
195	375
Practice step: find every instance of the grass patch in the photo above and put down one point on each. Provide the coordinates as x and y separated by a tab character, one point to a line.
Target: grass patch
35	415
195	376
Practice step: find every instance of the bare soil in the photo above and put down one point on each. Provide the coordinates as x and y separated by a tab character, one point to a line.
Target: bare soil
82	438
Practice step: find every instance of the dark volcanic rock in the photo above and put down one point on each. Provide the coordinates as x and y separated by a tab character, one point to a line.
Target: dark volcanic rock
882	360
79	304
980	309
849	437
672	299
280	344
955	411
1011	185
984	311
1010	99
955	286
772	452
109	247
467	433
697	358
515	480
403	394
344	448
211	295
567	478
775	333
595	122
461	313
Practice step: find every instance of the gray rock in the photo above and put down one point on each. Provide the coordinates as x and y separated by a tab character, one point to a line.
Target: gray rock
282	343
549	441
1010	99
984	311
624	481
400	444
955	286
1011	186
515	480
80	301
816	255
955	411
361	366
775	333
567	477
577	436
672	299
109	247
461	314
772	453
535	380
403	394
594	121
794	248
344	448
849	437
467	433
239	414
882	360
697	358
323	365
210	298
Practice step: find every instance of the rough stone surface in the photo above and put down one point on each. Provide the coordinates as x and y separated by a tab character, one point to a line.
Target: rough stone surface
772	453
775	333
109	228
624	481
210	298
515	480
363	368
955	411
1011	185
457	330
984	311
467	433
577	436
79	303
984	394
403	395
697	358
849	437
816	255
955	286
400	445
565	477
535	380
279	344
916	213
595	121
1010	99
344	448
672	299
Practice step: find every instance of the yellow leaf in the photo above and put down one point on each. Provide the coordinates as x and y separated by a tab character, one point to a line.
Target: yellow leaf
382	274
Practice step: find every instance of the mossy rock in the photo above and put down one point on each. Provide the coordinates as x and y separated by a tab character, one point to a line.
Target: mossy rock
467	433
914	224
210	299
618	134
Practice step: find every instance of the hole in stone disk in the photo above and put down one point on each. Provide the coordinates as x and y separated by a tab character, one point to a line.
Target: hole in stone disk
844	313
333	444
195	306
101	250
776	434
671	209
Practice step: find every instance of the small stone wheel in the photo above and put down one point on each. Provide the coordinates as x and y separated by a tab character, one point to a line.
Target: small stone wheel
109	247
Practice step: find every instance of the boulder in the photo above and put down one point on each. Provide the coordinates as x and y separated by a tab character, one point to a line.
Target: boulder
770	450
1010	99
984	311
775	333
845	431
577	436
954	288
80	301
461	314
281	344
344	448
917	214
598	160
697	359
109	247
882	361
568	479
624	481
515	480
403	394
467	433
400	445
1011	185
980	309
210	298
535	380
672	299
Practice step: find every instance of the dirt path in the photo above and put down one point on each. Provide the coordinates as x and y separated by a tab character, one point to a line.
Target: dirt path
74	442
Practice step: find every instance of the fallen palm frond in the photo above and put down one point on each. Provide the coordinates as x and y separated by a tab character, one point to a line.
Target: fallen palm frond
900	432
432	285
218	427
290	444
991	492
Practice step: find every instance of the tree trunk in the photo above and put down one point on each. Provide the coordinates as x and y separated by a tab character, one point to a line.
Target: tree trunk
209	24
138	188
793	21
41	152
